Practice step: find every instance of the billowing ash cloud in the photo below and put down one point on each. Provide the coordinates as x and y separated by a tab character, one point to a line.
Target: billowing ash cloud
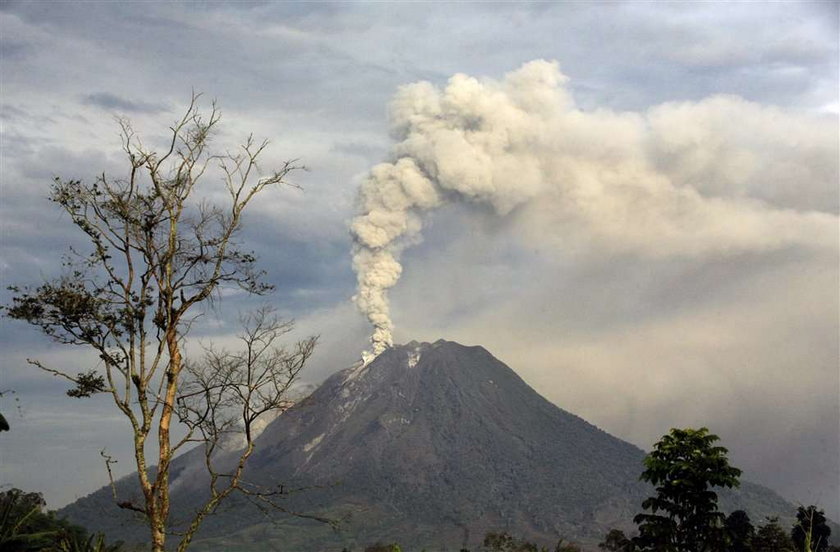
707	178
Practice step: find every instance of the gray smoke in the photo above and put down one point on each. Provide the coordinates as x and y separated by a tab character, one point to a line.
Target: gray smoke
703	178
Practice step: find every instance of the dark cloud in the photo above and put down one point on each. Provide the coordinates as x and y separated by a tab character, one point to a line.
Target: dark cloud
13	50
361	149
112	102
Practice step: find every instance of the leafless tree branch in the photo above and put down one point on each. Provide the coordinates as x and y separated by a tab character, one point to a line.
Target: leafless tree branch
156	253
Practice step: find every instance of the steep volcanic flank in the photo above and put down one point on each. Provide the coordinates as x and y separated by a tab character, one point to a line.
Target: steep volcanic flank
430	445
448	435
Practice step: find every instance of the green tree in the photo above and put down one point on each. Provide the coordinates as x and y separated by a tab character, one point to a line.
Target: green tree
4	423
771	537
505	542
684	466
93	543
159	251
563	546
616	541
380	547
25	526
811	533
739	531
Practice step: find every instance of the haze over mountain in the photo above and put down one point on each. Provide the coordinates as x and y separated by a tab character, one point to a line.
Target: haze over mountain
429	445
738	101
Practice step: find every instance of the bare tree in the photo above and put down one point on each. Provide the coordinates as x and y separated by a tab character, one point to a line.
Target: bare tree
157	255
226	394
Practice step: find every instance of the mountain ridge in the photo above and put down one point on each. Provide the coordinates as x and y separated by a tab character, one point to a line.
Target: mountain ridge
432	445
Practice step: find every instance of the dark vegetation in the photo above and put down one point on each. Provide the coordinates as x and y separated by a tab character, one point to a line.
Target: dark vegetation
25	526
686	466
4	423
737	534
811	531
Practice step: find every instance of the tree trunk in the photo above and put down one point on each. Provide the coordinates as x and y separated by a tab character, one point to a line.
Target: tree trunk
158	536
165	451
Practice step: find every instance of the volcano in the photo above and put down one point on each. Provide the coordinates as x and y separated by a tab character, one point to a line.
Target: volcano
430	445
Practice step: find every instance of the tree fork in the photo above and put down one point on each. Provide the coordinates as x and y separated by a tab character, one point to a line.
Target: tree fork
130	307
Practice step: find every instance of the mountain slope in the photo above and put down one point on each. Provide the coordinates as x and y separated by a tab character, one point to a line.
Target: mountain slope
430	445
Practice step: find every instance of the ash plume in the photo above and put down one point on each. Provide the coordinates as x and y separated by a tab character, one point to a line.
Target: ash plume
704	178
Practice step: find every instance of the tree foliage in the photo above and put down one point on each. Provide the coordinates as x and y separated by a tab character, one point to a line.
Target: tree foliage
684	466
504	542
158	252
4	423
811	533
25	526
771	537
616	541
380	547
739	531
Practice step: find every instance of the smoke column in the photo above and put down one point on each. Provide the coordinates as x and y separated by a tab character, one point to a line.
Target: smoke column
693	178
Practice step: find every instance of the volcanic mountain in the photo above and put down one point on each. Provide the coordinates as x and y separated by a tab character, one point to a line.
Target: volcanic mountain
429	445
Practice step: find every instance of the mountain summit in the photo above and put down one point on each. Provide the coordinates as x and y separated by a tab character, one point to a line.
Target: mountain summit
449	437
431	445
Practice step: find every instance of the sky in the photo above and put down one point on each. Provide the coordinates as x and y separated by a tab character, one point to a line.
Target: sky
634	205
